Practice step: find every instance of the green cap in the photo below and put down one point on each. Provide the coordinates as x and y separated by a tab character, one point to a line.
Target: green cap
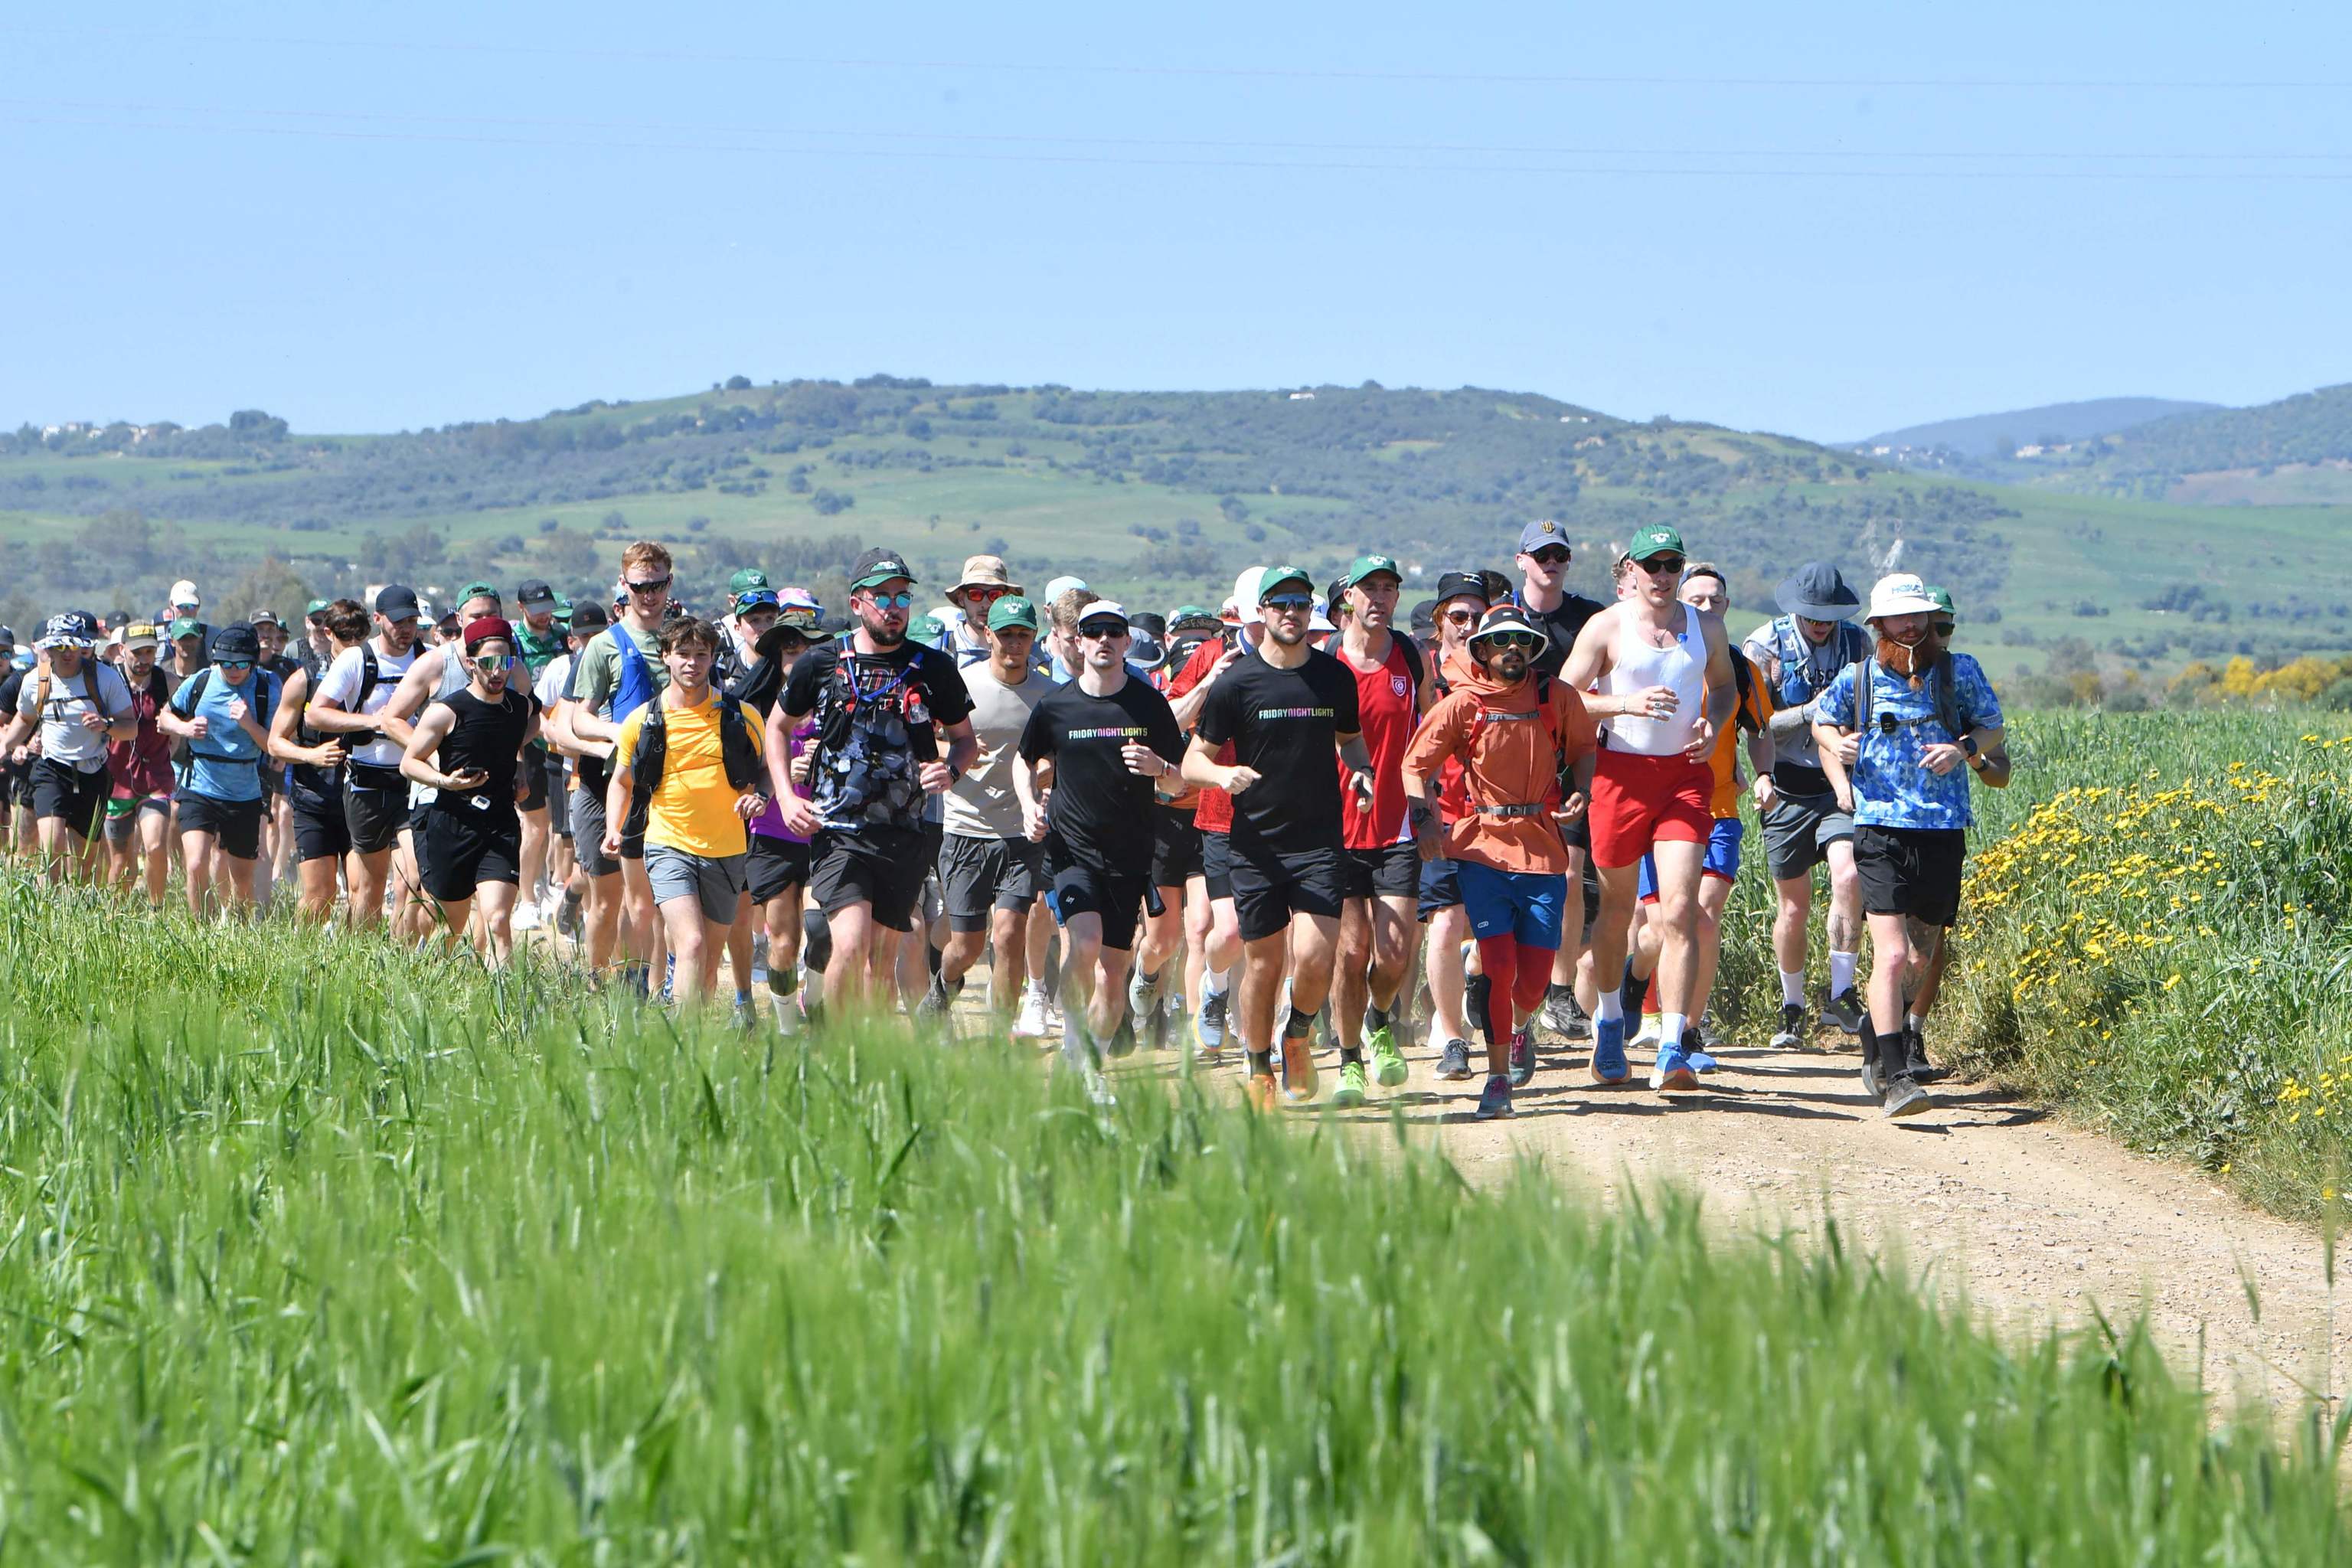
1013	610
1943	600
1276	577
749	580
478	590
1365	565
562	608
924	629
316	605
1657	539
1193	618
187	627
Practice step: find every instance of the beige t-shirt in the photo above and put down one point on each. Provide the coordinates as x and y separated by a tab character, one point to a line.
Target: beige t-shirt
982	805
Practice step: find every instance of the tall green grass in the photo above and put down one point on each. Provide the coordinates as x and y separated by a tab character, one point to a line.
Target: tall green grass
370	1262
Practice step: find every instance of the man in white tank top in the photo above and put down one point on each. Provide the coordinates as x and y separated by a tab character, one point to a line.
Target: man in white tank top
1658	679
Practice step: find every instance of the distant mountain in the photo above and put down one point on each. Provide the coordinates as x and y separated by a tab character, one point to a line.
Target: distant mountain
1980	435
2311	427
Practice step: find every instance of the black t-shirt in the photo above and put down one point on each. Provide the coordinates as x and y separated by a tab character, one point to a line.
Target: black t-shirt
755	682
1100	814
1562	624
865	773
488	736
1284	723
928	673
10	686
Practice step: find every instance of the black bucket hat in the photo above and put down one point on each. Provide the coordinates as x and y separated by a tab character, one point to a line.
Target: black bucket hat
1817	592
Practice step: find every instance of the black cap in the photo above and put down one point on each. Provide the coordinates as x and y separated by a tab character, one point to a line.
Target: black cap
395	600
236	640
1423	619
587	615
534	592
1150	622
879	565
1453	584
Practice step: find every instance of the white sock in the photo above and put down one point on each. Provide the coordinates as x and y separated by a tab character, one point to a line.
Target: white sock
1611	1007
1213	981
1670	1031
1841	973
1910	1020
1793	988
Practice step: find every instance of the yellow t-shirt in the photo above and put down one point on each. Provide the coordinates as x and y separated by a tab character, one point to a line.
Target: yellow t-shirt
694	809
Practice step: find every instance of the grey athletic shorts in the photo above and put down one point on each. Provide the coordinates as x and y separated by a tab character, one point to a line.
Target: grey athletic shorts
1799	831
716	883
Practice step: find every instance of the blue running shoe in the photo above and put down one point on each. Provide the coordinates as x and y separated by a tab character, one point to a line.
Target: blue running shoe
1671	1073
1523	1058
1695	1051
1496	1100
1609	1051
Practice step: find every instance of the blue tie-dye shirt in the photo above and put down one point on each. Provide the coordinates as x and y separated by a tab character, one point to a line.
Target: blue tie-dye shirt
1890	788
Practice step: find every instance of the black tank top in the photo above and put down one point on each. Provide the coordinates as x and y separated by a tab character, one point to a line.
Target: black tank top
486	735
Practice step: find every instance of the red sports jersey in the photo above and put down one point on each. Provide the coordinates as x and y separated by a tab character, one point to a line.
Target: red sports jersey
1388	706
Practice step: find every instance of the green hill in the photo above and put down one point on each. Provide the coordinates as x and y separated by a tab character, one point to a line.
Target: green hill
1997	434
1160	495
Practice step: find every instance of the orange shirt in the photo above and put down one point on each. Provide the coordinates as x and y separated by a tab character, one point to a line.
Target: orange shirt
1508	758
1758	708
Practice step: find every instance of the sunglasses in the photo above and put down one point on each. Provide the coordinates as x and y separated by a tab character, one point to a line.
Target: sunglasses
1513	639
897	601
1550	555
1462	618
1945	629
1289	601
756	599
652	585
1102	630
1660	566
984	595
493	663
234	663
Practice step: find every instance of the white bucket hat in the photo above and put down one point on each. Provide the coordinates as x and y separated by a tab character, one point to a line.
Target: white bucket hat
1900	594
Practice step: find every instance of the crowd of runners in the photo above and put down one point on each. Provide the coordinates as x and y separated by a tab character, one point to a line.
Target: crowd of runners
1258	831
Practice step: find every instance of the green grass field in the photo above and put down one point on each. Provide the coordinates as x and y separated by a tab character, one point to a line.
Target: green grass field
375	1262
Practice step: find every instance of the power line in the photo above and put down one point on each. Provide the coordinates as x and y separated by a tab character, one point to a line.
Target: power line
1281	73
1274	164
1435	148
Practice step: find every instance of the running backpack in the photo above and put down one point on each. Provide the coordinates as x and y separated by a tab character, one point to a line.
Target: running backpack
1413	663
871	745
184	750
737	753
1939	681
1548	715
1849	643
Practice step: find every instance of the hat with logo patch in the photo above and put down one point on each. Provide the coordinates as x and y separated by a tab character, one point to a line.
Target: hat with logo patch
1543	531
534	593
141	634
1656	539
1012	613
1463	585
748	580
1943	600
1900	594
1193	618
1364	567
189	627
924	629
476	589
1278	578
877	566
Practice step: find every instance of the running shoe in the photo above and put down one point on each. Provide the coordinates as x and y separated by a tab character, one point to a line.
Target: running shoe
1122	1040
1297	1068
1706	1034
1142	994
1494	1099
1647	1035
1671	1072
1558	1014
1261	1094
1791	1033
1453	1062
1209	1026
1523	1058
1579	1022
931	1012
1844	1010
1098	1090
1869	1074
1351	1092
1029	1024
1916	1065
1389	1068
1609	1051
526	916
1476	993
1904	1098
1695	1051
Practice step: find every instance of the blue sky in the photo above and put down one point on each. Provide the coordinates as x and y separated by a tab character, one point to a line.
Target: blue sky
370	219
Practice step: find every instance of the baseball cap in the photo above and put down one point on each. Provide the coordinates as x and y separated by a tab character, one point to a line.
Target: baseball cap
1245	609
879	566
1542	531
590	617
235	640
750	599
183	594
1103	610
264	617
1278	577
1364	567
924	629
476	590
1900	594
535	592
189	627
1506	618
748	580
1193	618
1459	584
1422	618
1013	610
315	607
395	600
139	633
1943	600
1656	539
1061	585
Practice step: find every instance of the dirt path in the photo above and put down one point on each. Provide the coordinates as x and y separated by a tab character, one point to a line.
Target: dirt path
2037	1221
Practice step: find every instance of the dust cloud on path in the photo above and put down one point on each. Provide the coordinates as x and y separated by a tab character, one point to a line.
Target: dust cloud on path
2038	1222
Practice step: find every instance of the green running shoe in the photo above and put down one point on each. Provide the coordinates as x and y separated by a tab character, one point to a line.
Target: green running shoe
1351	1092
1387	1062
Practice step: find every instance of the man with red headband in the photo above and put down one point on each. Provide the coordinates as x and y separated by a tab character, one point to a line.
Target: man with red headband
466	748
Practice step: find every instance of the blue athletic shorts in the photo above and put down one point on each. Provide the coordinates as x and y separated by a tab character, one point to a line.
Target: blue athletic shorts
1523	904
1722	857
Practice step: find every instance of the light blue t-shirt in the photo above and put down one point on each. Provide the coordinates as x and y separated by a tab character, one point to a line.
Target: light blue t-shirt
1890	788
225	764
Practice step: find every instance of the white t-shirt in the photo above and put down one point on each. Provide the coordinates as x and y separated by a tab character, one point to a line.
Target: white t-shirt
342	684
63	739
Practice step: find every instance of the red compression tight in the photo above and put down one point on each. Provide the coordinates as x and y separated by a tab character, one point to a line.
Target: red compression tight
1515	977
